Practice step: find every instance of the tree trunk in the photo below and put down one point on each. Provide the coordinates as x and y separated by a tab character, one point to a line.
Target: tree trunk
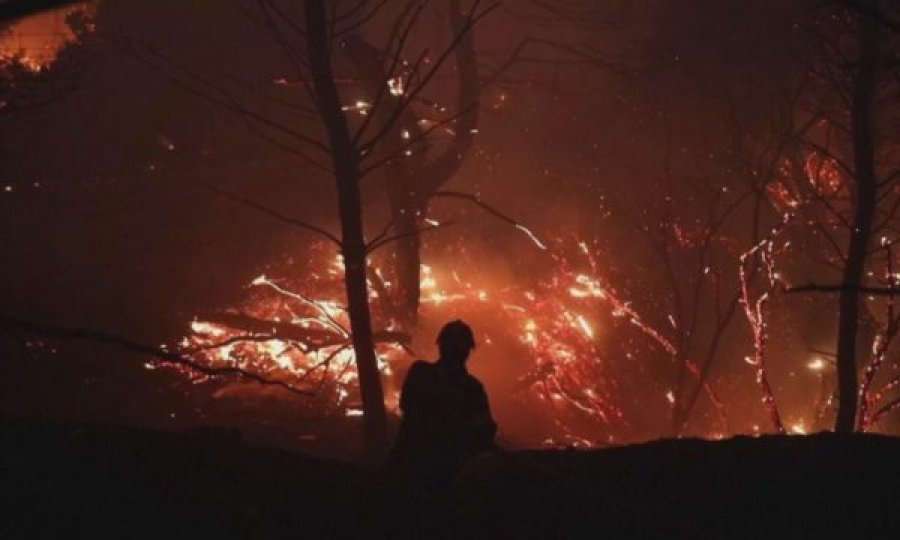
863	93
411	182
407	266
345	158
400	173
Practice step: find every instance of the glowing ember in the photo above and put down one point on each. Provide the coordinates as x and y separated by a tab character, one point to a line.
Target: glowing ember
762	254
817	364
360	106
396	86
532	236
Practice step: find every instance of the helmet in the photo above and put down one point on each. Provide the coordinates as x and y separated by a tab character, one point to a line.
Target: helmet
456	334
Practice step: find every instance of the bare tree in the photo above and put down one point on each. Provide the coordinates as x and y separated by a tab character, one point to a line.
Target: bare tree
412	179
857	82
345	158
862	94
353	145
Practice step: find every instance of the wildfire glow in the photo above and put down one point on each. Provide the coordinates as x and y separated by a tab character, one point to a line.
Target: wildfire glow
297	331
288	335
36	40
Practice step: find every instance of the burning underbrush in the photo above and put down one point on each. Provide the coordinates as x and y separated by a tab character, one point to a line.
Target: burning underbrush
555	353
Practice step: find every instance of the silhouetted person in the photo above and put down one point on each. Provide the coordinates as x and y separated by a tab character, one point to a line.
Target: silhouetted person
446	418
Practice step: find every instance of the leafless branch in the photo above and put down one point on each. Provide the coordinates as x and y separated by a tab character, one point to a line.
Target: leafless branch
360	21
814	287
397	41
412	141
275	214
192	83
472	19
388	239
881	17
491	210
76	333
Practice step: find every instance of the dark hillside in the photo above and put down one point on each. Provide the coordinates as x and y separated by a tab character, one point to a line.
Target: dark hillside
819	486
94	481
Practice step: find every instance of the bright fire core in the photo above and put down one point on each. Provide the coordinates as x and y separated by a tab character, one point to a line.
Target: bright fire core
557	325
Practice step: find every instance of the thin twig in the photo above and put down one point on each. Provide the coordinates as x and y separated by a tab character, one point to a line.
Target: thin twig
274	213
99	336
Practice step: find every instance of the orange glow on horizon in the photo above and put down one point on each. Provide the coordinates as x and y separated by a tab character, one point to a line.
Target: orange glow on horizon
36	40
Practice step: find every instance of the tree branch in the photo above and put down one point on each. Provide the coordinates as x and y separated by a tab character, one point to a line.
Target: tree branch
374	245
99	336
275	214
815	287
493	211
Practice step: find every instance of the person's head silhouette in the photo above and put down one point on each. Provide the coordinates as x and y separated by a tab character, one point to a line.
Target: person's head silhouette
455	341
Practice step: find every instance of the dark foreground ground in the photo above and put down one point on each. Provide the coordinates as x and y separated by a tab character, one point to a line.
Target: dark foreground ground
80	481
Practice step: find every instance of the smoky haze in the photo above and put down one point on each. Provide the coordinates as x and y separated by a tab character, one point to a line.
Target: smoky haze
625	126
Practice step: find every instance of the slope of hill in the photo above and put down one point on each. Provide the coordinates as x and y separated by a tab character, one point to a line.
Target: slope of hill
95	481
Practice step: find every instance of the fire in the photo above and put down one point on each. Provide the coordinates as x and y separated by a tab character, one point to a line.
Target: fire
297	330
288	333
824	174
35	41
292	337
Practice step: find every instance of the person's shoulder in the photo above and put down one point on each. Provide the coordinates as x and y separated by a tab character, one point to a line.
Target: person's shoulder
421	365
419	368
474	383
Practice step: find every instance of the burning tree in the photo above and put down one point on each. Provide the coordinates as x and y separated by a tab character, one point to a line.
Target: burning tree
799	159
822	164
390	127
825	164
849	163
392	85
355	138
712	202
